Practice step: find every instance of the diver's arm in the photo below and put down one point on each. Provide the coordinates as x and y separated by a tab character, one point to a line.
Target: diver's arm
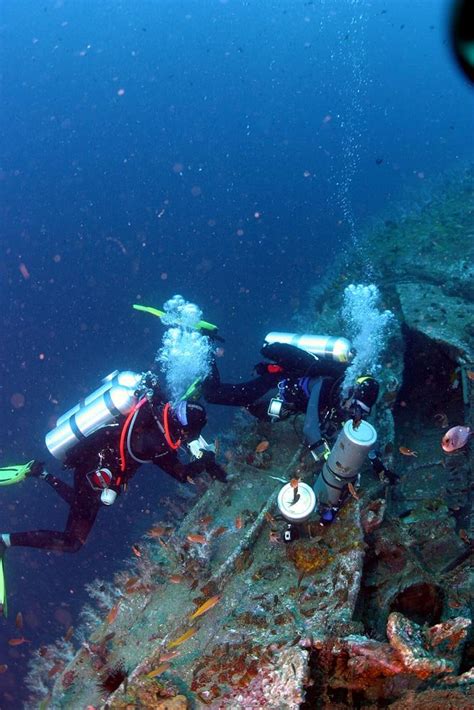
239	395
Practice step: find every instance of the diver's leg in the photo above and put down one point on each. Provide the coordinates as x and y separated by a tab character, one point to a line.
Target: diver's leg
82	515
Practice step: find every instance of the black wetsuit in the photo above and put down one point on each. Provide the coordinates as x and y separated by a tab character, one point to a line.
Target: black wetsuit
305	383
101	450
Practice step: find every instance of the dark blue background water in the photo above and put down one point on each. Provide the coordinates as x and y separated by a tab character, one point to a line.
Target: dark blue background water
150	148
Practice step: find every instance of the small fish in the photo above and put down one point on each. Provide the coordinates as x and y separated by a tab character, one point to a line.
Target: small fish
262	446
464	536
294	483
181	639
158	671
352	491
136	551
164	657
406	452
196	537
219	531
19	620
58	666
470	375
190	480
274	536
130	583
176	579
3	668
205	521
239	523
157	531
205	607
69	633
18	642
269	518
112	615
455	438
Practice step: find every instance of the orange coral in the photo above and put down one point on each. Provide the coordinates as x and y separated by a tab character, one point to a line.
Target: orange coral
309	558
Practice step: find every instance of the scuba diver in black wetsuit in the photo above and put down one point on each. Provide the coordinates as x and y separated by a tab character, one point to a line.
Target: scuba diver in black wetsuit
304	383
130	424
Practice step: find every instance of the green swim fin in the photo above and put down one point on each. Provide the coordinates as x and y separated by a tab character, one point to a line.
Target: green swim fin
200	325
14	474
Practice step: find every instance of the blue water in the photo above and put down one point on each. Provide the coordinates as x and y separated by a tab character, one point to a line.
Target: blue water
225	150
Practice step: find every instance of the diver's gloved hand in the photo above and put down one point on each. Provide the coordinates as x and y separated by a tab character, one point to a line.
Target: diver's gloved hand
212	467
37	469
320	450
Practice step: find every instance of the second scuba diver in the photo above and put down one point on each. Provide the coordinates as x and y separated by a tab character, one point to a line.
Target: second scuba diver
303	383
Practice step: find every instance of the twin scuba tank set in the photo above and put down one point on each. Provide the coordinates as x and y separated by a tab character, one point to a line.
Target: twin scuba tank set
347	456
118	395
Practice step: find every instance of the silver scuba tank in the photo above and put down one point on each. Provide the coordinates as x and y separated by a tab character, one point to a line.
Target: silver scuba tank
324	346
345	461
116	396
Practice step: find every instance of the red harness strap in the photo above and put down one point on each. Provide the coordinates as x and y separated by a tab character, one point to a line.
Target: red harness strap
123	435
166	425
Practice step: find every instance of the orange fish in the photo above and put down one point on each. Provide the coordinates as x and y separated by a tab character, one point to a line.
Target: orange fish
219	531
269	518
58	666
239	523
19	620
190	480
181	639
262	446
158	671
464	536
294	483
197	537
352	491
136	551
205	521
406	452
470	375
112	615
3	668
69	633
18	642
156	531
205	607
130	583
176	579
